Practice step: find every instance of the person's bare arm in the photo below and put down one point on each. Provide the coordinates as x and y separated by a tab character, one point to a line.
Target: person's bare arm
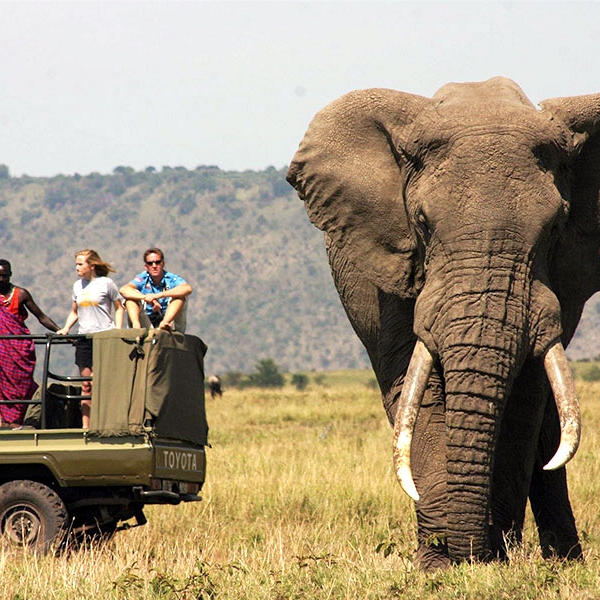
130	292
179	291
71	320
27	300
119	314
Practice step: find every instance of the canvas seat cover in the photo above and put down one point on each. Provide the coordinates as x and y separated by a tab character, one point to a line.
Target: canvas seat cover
148	374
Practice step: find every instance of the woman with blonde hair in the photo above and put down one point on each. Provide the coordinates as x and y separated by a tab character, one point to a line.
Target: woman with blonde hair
94	297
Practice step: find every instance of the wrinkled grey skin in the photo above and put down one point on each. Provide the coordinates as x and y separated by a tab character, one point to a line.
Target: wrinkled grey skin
470	221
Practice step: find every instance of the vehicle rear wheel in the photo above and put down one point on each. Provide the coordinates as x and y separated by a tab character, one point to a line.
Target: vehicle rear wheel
32	515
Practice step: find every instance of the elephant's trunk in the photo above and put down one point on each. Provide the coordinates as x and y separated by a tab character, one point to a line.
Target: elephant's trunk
474	405
415	384
474	409
481	338
481	332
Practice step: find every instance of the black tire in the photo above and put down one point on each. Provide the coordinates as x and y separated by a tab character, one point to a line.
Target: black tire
32	515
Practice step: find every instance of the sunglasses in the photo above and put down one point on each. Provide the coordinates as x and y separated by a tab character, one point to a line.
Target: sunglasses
152	263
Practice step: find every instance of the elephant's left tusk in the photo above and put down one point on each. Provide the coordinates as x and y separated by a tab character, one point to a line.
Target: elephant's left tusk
565	396
415	384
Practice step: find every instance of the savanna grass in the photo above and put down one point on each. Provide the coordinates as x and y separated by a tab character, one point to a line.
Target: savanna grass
301	502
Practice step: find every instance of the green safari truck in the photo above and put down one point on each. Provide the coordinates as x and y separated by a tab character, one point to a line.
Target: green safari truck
146	442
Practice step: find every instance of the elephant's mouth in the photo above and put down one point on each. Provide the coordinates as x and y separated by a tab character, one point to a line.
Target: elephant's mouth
415	384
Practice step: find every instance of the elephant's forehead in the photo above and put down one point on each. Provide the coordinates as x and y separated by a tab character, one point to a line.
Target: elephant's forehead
492	113
498	89
444	122
498	105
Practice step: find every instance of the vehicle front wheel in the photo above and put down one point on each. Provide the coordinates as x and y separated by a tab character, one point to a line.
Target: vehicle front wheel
32	515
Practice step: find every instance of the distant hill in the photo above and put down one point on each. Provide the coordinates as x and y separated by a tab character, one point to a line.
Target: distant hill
586	342
262	287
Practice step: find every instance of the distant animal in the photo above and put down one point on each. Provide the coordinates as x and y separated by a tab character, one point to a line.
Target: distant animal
463	234
214	386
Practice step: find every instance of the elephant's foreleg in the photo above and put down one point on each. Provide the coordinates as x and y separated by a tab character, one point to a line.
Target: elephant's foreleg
428	457
549	497
515	455
553	514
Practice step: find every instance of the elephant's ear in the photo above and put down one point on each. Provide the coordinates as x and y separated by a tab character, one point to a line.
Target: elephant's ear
348	173
577	260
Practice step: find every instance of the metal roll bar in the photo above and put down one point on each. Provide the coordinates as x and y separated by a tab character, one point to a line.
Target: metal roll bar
48	340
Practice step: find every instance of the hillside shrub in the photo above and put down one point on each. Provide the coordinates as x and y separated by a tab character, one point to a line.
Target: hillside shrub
267	375
300	381
592	373
232	379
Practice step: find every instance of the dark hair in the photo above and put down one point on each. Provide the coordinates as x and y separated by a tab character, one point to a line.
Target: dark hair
101	268
154	251
5	263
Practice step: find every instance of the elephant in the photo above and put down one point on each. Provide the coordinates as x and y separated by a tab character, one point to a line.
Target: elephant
463	237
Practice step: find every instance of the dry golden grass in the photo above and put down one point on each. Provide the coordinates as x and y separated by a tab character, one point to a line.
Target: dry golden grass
299	496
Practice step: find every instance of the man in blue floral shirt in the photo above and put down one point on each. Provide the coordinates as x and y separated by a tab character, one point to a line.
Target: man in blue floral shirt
155	297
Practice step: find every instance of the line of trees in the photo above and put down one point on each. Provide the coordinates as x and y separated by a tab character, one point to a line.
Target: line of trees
267	374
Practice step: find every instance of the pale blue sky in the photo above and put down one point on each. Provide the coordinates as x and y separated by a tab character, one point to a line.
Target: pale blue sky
88	86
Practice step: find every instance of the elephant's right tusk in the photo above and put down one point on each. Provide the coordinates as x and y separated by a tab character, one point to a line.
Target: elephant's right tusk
565	396
415	384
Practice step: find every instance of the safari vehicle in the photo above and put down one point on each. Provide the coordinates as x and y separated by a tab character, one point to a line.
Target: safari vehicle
145	445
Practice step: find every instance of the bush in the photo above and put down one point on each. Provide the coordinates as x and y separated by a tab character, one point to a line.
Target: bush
187	205
591	373
320	378
232	379
267	375
300	380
